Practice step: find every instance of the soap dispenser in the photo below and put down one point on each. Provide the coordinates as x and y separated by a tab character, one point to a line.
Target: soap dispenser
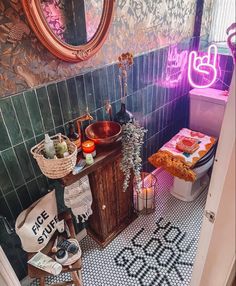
49	147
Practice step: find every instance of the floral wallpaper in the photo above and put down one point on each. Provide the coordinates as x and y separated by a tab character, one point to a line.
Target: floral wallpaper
53	12
138	26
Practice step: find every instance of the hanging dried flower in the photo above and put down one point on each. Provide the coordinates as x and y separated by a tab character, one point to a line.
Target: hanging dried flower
132	141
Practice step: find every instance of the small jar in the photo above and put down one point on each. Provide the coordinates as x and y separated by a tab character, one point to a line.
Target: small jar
61	256
89	159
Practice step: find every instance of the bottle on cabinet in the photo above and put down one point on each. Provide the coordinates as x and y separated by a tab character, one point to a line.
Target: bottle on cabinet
74	137
49	148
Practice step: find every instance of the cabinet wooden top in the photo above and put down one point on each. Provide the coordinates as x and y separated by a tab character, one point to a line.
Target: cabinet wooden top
105	154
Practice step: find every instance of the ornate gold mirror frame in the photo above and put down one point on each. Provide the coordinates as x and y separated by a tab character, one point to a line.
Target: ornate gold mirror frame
60	49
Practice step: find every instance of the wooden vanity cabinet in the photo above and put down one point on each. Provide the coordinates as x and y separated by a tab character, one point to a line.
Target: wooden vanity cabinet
112	208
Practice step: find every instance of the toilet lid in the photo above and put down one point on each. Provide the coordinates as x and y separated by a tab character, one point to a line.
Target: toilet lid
207	157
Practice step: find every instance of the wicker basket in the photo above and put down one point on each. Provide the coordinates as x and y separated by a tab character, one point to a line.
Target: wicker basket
55	168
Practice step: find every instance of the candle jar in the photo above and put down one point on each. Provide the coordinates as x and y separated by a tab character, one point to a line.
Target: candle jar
144	193
88	147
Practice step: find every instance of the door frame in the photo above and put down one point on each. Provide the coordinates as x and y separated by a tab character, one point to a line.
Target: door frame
216	189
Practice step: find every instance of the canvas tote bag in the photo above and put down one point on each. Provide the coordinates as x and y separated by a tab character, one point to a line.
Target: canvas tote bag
36	225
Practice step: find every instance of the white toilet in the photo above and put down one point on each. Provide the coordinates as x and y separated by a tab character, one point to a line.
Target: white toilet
207	107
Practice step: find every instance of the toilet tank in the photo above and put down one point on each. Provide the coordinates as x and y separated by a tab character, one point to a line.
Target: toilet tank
207	107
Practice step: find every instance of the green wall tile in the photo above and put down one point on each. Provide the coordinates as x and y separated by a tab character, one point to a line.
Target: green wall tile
43	185
65	101
34	190
29	144
14	203
23	116
24	197
13	167
45	108
24	162
5	211
71	87
55	104
11	120
5	141
34	112
81	94
5	182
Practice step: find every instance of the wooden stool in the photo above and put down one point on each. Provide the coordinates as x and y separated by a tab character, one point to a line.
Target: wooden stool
74	269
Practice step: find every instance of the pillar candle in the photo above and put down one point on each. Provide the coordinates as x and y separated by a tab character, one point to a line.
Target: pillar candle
148	195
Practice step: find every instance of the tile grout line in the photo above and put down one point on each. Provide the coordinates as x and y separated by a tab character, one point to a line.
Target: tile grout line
59	100
24	142
4	197
50	107
40	112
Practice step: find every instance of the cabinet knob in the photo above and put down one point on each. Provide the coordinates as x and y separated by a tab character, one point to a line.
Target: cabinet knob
103	207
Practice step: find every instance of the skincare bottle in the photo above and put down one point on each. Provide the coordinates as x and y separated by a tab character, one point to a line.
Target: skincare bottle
45	263
61	148
49	147
74	137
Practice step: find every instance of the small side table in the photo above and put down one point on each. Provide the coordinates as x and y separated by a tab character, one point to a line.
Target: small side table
74	269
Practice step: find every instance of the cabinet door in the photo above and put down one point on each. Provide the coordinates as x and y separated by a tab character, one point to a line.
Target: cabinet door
104	219
124	199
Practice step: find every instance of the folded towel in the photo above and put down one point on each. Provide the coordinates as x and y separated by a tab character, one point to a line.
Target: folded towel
78	197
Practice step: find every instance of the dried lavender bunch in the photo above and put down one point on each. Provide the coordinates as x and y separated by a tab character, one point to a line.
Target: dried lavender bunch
132	140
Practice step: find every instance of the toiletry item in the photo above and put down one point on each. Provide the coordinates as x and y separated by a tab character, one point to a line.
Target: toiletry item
89	159
68	246
61	256
49	147
45	263
54	247
61	148
74	137
61	226
88	146
79	167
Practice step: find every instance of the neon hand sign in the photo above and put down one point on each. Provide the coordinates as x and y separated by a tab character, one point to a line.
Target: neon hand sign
205	66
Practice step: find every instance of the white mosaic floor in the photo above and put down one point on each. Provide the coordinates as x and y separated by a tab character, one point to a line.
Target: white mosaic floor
155	250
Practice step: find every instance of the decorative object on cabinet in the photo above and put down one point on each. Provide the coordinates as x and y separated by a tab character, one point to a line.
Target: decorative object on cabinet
132	140
103	132
144	193
112	209
55	168
125	63
74	268
89	31
88	147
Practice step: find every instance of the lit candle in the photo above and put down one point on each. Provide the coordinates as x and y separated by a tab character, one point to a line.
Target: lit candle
148	195
140	201
88	146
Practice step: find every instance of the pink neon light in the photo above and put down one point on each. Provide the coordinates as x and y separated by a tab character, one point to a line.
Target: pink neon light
204	66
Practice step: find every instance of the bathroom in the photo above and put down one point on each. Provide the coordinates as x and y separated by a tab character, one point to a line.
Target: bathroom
43	88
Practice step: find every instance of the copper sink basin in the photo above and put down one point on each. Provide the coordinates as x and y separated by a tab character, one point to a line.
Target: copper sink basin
103	132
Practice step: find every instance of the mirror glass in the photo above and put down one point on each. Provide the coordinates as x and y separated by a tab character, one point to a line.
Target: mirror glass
74	22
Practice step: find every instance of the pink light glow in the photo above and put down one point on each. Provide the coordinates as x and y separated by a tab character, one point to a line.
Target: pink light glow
174	71
204	66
